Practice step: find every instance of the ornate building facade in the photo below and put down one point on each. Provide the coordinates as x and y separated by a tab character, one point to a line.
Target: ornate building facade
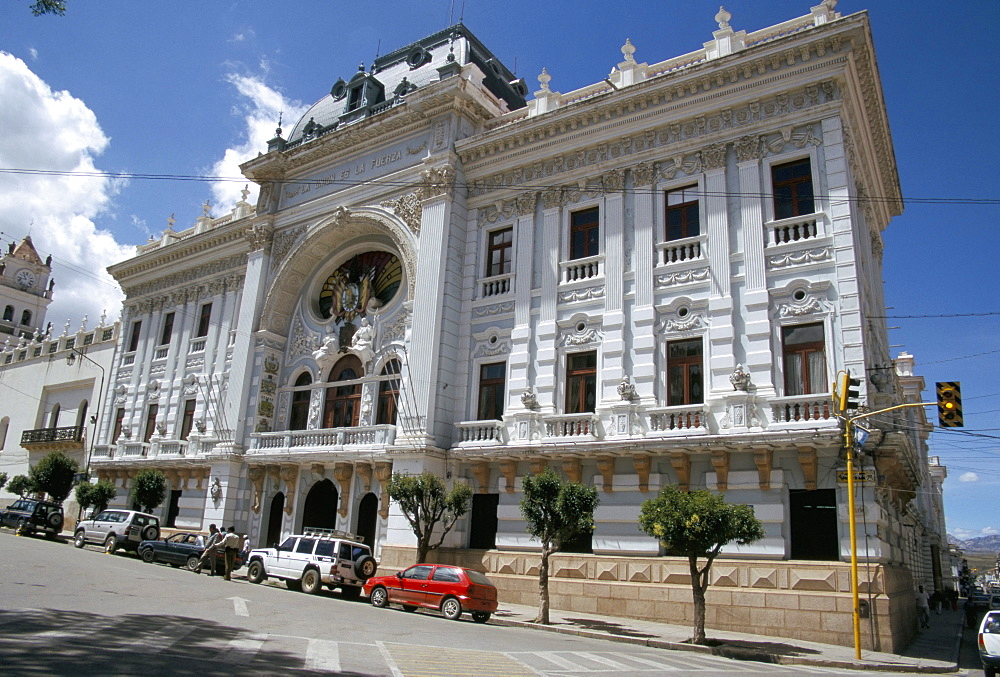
652	280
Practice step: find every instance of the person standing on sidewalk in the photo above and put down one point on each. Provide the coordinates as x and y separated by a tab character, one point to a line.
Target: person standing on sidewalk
923	608
208	554
232	545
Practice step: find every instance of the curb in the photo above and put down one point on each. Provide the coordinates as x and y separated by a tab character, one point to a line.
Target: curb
740	654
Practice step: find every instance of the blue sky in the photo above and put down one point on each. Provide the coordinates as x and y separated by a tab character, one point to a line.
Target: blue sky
192	88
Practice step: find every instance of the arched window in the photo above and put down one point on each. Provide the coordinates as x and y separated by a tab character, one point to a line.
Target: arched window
343	402
81	416
26	317
4	425
388	393
299	418
8	314
54	416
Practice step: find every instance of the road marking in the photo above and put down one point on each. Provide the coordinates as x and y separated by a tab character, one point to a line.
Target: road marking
431	661
241	650
240	606
322	654
387	657
162	639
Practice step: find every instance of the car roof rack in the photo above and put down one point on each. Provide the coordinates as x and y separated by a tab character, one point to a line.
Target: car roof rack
329	533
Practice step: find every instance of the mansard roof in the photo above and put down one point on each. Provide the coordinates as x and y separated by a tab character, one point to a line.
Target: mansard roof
396	74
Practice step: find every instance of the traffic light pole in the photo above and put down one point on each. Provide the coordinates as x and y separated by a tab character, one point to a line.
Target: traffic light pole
849	452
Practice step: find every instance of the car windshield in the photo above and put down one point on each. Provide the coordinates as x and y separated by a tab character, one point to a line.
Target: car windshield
992	624
477	578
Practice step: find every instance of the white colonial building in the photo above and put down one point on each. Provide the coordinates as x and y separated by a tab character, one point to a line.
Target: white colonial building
650	281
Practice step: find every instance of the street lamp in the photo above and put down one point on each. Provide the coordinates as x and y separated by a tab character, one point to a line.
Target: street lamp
71	360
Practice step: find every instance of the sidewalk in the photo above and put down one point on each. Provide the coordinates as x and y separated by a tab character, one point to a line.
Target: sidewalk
935	650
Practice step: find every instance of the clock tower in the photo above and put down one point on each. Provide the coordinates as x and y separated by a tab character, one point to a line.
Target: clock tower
25	289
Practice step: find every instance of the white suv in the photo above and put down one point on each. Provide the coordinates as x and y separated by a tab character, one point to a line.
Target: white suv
313	559
117	529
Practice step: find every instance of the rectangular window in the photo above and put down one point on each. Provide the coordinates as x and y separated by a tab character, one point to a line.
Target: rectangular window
793	189
804	359
682	218
581	382
498	257
204	319
187	421
150	422
584	233
492	381
119	420
133	343
168	328
684	373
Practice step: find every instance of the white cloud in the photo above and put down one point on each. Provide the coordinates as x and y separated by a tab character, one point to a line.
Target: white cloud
968	477
259	106
966	534
34	53
54	131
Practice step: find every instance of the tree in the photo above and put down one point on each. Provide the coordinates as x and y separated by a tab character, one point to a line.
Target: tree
697	525
556	511
149	489
3	479
96	495
54	475
426	502
20	485
40	7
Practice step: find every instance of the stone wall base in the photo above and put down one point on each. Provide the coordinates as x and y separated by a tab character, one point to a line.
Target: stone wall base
793	599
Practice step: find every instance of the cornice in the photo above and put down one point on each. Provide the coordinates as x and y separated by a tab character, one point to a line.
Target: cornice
194	245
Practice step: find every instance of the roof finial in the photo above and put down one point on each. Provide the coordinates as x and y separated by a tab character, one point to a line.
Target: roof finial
171	221
245	192
723	17
277	132
628	49
543	80
205	208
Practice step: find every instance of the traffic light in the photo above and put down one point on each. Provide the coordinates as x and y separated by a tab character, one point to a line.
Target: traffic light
847	392
949	401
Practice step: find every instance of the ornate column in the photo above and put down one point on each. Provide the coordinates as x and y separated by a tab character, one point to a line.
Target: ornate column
290	475
343	472
256	475
643	315
383	473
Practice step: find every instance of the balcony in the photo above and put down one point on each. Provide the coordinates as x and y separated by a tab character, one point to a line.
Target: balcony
480	433
681	251
322	440
809	409
496	285
53	439
795	229
579	270
680	420
577	427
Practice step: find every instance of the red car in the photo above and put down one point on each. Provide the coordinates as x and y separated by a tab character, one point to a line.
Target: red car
436	586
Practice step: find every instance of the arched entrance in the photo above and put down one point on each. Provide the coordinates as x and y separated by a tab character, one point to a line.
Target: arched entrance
274	520
367	519
320	511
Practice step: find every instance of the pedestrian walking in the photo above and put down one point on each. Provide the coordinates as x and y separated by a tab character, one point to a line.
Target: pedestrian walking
208	554
923	608
232	545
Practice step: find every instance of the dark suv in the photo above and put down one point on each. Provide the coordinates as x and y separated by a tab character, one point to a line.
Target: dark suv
28	515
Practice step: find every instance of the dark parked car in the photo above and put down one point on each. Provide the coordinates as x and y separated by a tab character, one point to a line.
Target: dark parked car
451	589
181	549
28	515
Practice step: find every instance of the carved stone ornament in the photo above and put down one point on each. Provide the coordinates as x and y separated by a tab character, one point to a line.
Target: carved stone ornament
714	157
190	384
529	400
643	174
437	181
256	475
408	208
121	392
750	148
216	489
626	390
161	428
282	244
153	389
200	425
327	350
259	236
740	379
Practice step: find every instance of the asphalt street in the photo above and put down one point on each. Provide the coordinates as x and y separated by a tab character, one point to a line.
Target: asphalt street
65	611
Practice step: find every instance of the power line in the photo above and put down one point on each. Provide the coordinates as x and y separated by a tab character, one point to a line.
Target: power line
146	176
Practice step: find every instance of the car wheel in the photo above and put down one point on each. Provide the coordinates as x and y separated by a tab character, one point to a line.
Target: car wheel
294	584
80	539
311	582
380	598
350	592
451	609
150	533
22	528
409	608
255	573
55	520
365	567
192	562
481	616
148	556
111	544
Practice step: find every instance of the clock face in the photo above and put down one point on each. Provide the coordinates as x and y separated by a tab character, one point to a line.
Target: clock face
25	278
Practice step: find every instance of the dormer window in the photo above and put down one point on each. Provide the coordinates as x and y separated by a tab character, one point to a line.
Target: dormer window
363	92
354	98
